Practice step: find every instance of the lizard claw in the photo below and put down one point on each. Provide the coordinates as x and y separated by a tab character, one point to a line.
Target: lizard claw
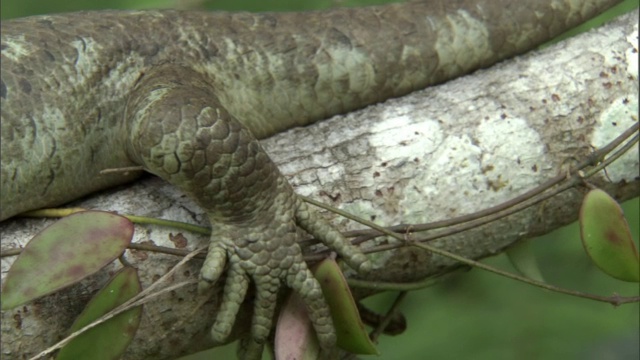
263	249
266	253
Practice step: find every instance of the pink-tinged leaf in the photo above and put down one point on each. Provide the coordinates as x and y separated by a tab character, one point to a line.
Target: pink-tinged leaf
295	338
110	339
606	237
350	330
64	253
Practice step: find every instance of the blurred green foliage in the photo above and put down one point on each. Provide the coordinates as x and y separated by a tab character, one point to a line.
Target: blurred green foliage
476	315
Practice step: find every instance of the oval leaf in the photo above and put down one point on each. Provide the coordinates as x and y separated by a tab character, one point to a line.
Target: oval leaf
295	338
606	237
351	333
110	339
64	253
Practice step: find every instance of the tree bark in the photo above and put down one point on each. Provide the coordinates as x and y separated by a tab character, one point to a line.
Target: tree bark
443	152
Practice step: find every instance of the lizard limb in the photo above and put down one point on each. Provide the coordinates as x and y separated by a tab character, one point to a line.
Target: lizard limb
179	131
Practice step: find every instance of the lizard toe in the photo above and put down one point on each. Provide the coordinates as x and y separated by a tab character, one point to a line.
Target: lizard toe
213	267
264	307
235	290
312	223
249	349
302	281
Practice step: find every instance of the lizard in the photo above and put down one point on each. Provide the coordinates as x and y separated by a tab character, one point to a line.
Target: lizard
187	95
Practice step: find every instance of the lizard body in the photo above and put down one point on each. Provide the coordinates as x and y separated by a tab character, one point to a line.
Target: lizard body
186	94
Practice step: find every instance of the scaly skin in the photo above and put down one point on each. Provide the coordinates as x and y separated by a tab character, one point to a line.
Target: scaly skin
186	94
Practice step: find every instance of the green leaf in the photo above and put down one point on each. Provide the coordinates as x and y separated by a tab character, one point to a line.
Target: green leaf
524	260
606	237
110	339
350	330
295	338
64	253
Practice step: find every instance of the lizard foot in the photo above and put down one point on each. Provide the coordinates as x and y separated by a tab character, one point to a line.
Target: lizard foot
180	131
266	254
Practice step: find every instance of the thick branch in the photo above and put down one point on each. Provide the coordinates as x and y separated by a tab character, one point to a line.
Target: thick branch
436	154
